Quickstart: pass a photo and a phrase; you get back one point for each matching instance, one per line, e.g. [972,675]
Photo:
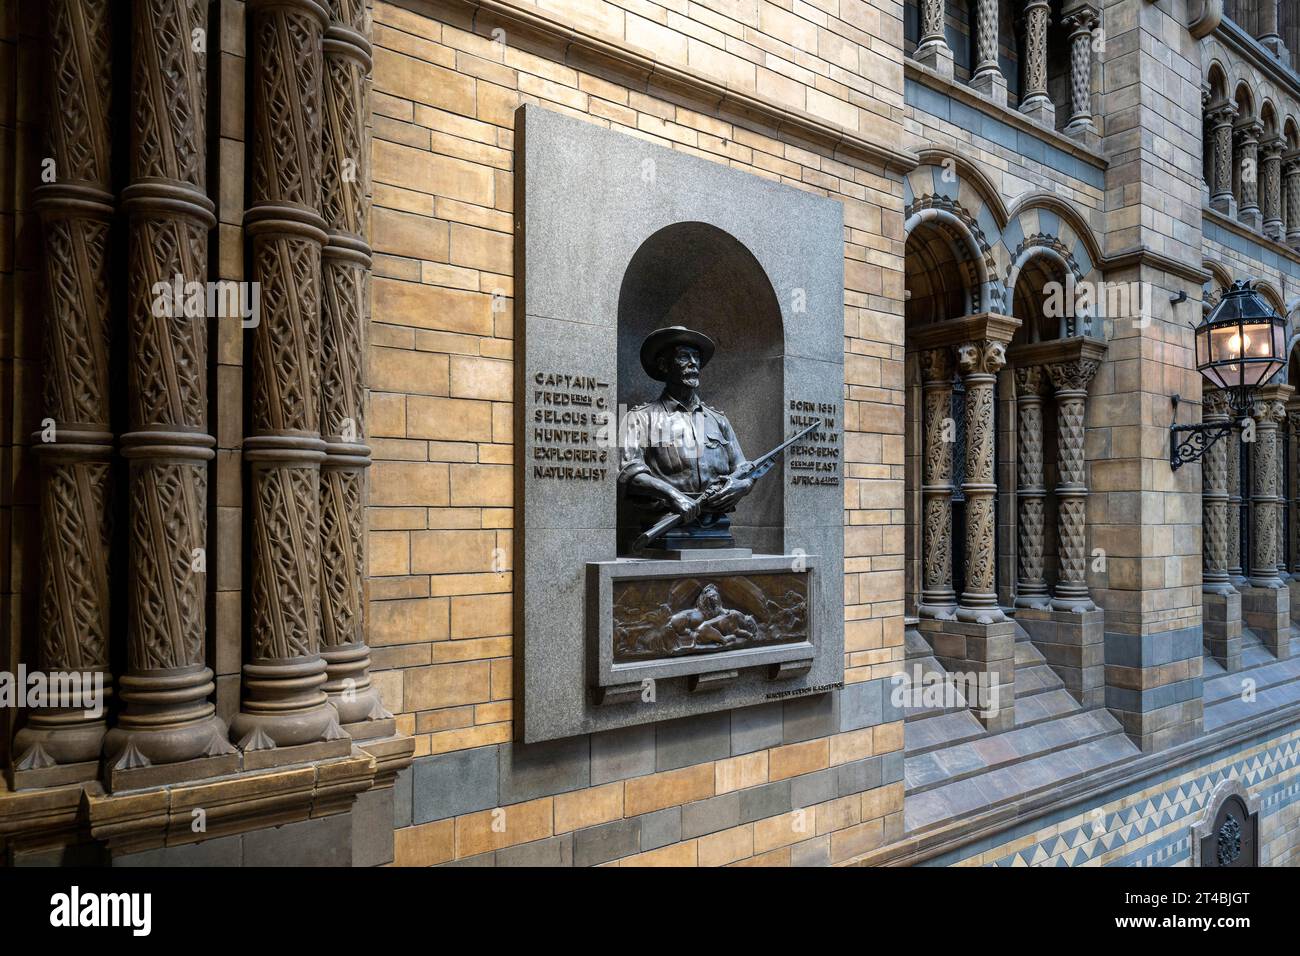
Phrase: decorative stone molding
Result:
[1031,584]
[62,744]
[284,703]
[168,718]
[938,599]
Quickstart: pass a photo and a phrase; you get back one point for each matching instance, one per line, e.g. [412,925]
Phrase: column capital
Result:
[936,364]
[1216,403]
[1273,148]
[1075,359]
[1031,380]
[981,357]
[1083,16]
[1249,130]
[992,326]
[1222,113]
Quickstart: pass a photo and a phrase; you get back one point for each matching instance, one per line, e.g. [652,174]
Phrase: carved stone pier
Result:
[1068,630]
[284,704]
[938,599]
[932,50]
[978,639]
[1035,101]
[1266,602]
[988,78]
[168,718]
[62,744]
[1222,117]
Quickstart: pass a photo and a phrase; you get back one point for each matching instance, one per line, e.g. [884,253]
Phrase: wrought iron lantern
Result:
[1240,345]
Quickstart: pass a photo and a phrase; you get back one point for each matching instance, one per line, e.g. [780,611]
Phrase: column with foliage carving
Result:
[1035,102]
[1248,211]
[284,702]
[1264,501]
[345,295]
[1071,380]
[1222,117]
[938,599]
[168,716]
[932,49]
[1271,175]
[1031,586]
[1082,22]
[979,363]
[75,444]
[1291,197]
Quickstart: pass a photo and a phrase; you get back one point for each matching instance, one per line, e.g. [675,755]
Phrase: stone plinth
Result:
[984,654]
[1267,611]
[1222,620]
[1074,646]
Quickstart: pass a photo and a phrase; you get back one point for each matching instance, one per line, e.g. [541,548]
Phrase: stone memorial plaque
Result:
[678,416]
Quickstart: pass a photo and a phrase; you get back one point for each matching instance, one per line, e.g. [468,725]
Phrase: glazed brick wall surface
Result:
[815,780]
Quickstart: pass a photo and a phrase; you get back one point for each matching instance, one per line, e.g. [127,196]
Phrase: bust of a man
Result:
[676,448]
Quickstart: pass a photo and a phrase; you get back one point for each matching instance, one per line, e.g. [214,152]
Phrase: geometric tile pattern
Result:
[1152,828]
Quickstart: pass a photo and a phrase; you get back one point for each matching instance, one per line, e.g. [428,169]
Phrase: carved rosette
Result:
[1031,586]
[344,297]
[1071,380]
[1217,410]
[979,362]
[1037,17]
[1248,158]
[168,717]
[1222,119]
[75,443]
[284,703]
[1265,501]
[938,599]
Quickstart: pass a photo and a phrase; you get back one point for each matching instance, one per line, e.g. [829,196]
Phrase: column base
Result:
[970,612]
[992,84]
[1275,230]
[285,706]
[1073,603]
[1224,204]
[938,612]
[1074,646]
[1251,216]
[937,56]
[1085,132]
[1221,626]
[1041,111]
[982,655]
[1293,239]
[1275,46]
[1033,601]
[1267,611]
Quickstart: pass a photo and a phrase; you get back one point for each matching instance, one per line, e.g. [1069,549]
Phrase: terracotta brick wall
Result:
[440,424]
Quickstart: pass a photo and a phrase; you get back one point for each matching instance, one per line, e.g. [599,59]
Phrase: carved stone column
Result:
[1082,22]
[1222,198]
[1268,414]
[1267,602]
[1035,102]
[1271,175]
[1217,409]
[988,78]
[938,599]
[1291,202]
[168,716]
[284,703]
[1269,35]
[345,275]
[1236,570]
[1031,586]
[1071,380]
[979,362]
[1248,165]
[1279,511]
[932,50]
[1220,601]
[62,744]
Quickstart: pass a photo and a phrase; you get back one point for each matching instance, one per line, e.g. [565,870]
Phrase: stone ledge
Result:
[133,821]
[918,848]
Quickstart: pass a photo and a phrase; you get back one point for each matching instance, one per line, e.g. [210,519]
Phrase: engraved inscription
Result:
[671,617]
[570,427]
[815,461]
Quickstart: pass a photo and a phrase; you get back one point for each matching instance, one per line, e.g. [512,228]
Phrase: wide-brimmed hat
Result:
[658,341]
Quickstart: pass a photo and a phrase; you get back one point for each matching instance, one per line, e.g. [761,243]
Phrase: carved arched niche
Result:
[697,275]
[1227,834]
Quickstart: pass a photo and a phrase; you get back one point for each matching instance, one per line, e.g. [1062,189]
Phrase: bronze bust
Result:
[678,455]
